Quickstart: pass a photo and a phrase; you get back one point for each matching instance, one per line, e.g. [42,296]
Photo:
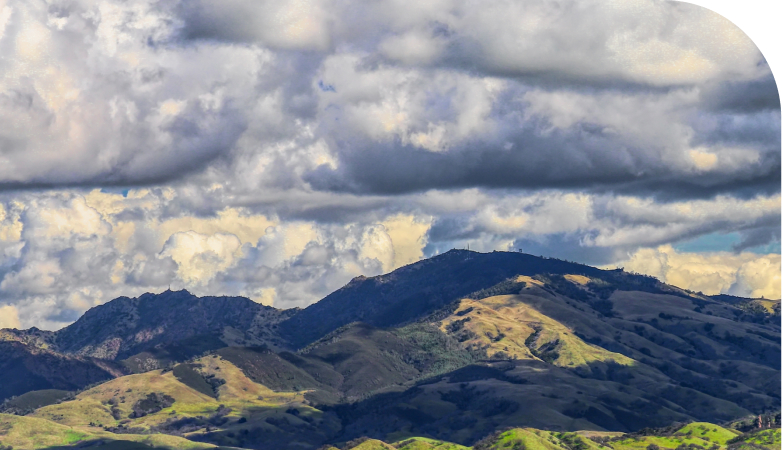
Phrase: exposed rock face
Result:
[126,326]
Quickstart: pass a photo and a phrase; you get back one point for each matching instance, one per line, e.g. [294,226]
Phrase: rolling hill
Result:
[449,350]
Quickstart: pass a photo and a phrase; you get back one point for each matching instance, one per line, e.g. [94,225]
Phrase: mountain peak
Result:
[124,326]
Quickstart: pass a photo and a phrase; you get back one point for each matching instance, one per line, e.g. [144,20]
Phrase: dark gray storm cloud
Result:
[743,97]
[585,157]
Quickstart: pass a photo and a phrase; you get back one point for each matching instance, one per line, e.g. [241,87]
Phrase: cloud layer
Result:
[712,273]
[278,149]
[642,96]
[65,251]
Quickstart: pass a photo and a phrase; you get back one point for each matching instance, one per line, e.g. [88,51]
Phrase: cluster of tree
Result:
[572,441]
[179,426]
[488,442]
[756,422]
[507,287]
[154,402]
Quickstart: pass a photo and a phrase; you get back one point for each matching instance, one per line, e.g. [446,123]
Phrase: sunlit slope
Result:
[572,352]
[509,326]
[694,435]
[532,439]
[420,443]
[32,433]
[770,438]
[709,432]
[209,399]
[95,405]
[372,444]
[578,323]
[700,435]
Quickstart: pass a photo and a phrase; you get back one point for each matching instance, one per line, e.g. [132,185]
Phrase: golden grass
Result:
[503,323]
[578,279]
[32,433]
[239,393]
[22,432]
[768,304]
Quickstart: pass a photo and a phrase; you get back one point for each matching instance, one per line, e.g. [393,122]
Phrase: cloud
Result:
[630,96]
[298,24]
[199,257]
[593,229]
[67,251]
[9,317]
[119,110]
[744,274]
[488,132]
[408,238]
[278,149]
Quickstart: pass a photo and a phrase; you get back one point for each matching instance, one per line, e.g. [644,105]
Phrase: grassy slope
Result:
[91,406]
[250,411]
[769,438]
[34,399]
[505,324]
[420,443]
[373,444]
[354,362]
[714,433]
[645,365]
[700,433]
[697,345]
[238,393]
[24,432]
[30,433]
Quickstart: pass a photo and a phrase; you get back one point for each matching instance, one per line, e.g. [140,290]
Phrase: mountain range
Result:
[451,349]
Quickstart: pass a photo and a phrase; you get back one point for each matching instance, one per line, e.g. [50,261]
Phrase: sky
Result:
[276,150]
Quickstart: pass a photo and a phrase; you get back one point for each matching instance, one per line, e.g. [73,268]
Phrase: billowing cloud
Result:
[386,97]
[65,252]
[9,317]
[743,274]
[278,149]
[199,257]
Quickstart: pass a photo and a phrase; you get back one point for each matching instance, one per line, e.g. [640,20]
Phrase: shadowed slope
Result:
[25,368]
